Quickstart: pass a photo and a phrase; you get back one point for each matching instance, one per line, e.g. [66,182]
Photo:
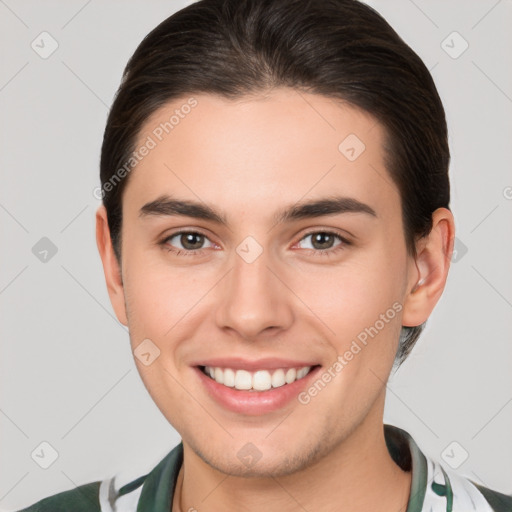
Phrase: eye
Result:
[191,243]
[188,242]
[324,242]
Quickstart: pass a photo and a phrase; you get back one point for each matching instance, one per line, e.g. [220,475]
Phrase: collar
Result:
[406,453]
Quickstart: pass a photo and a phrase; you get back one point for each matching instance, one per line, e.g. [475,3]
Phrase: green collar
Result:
[159,485]
[406,453]
[158,489]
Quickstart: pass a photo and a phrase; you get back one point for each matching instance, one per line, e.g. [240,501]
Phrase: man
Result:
[275,231]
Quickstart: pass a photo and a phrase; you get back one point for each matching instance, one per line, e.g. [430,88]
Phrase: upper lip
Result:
[267,363]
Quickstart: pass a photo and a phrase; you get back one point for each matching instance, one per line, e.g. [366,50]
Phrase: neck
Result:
[357,475]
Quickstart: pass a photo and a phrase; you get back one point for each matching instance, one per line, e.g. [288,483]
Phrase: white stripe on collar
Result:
[466,497]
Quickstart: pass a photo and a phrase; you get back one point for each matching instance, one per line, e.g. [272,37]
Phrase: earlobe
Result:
[431,269]
[111,269]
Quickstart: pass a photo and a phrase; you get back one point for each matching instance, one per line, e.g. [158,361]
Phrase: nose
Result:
[254,299]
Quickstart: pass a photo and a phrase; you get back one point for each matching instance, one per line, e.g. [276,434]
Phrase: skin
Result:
[249,158]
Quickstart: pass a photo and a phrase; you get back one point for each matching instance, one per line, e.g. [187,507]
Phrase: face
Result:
[226,267]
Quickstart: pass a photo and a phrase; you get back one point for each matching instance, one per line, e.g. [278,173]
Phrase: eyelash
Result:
[316,252]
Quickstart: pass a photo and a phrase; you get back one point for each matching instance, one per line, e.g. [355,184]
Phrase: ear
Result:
[111,266]
[427,281]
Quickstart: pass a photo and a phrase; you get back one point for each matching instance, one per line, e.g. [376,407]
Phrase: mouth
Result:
[255,391]
[260,380]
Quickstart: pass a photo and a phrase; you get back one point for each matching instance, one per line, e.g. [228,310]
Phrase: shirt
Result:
[433,487]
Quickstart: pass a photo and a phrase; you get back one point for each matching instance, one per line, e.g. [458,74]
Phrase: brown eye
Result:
[323,240]
[191,241]
[184,241]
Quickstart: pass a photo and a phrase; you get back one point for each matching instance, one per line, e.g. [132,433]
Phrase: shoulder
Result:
[436,487]
[498,501]
[150,491]
[84,498]
[463,494]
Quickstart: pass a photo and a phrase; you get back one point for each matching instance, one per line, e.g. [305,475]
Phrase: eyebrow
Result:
[168,206]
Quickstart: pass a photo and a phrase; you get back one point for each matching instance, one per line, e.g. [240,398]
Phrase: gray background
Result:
[67,374]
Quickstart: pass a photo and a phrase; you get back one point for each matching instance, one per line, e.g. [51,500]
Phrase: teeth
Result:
[291,375]
[243,379]
[260,380]
[302,373]
[229,378]
[218,375]
[278,379]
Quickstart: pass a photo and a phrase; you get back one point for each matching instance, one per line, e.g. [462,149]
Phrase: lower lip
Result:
[254,403]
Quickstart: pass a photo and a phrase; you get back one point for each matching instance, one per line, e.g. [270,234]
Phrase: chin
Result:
[265,459]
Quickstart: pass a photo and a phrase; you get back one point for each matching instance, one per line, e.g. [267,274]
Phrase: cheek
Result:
[359,303]
[350,296]
[165,305]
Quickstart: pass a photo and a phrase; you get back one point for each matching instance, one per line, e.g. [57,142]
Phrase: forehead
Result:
[276,147]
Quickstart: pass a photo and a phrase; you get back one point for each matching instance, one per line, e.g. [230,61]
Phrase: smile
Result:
[260,380]
[254,387]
